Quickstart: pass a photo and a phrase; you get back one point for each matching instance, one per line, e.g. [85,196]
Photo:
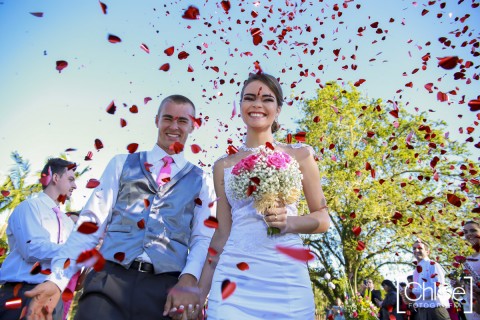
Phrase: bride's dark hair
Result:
[272,83]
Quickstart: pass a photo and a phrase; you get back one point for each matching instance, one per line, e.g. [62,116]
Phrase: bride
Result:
[261,282]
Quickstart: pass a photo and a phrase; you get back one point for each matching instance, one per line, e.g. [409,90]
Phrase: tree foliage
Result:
[389,176]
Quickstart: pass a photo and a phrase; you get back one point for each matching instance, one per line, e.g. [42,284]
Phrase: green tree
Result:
[389,176]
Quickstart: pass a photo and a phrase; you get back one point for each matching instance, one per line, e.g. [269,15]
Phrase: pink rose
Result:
[247,164]
[278,160]
[355,314]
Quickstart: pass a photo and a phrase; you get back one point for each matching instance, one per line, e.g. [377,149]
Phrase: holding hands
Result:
[183,300]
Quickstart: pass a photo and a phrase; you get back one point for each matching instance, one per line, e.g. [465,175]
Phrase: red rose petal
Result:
[103,6]
[67,295]
[5,193]
[360,246]
[46,272]
[176,147]
[474,105]
[144,47]
[448,62]
[454,200]
[61,64]
[243,266]
[255,180]
[225,5]
[132,147]
[165,67]
[89,156]
[146,100]
[211,222]
[17,288]
[198,201]
[98,144]
[195,148]
[46,178]
[66,264]
[228,287]
[301,254]
[146,203]
[231,150]
[192,13]
[87,227]
[251,189]
[37,14]
[212,251]
[92,183]
[111,108]
[169,51]
[300,136]
[123,122]
[182,55]
[61,198]
[133,109]
[36,268]
[419,269]
[356,231]
[119,256]
[113,39]
[141,224]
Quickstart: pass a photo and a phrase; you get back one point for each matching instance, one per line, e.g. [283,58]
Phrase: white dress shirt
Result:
[33,232]
[99,209]
[430,295]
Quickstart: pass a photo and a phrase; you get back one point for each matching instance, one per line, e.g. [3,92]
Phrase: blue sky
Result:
[44,112]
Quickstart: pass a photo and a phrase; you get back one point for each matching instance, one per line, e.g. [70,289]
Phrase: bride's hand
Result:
[277,217]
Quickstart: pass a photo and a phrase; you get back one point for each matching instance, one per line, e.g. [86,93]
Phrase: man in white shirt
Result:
[150,209]
[429,289]
[36,231]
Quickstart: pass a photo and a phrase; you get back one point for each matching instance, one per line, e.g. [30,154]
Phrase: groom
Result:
[150,208]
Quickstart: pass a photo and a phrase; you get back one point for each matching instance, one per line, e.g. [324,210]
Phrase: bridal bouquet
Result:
[267,176]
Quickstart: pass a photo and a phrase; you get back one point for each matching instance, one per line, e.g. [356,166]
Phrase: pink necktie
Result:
[164,173]
[59,220]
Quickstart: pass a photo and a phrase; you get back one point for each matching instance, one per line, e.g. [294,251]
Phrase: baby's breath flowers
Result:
[267,176]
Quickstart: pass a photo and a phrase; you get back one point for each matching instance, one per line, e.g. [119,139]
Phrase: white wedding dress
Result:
[275,286]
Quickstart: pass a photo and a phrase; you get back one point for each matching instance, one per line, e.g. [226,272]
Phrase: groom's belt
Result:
[141,266]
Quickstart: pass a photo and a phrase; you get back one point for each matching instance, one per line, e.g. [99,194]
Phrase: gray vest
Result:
[162,229]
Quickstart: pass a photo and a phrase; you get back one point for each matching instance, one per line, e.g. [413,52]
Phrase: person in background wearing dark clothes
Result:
[389,305]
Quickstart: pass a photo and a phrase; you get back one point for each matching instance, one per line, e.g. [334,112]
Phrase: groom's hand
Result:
[45,297]
[183,300]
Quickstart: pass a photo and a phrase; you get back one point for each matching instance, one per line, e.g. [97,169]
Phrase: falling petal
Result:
[474,105]
[165,67]
[5,193]
[92,183]
[454,200]
[111,108]
[243,266]
[87,227]
[146,100]
[123,122]
[119,256]
[356,231]
[169,51]
[211,222]
[300,254]
[133,109]
[104,7]
[132,147]
[141,224]
[192,13]
[98,144]
[36,268]
[225,5]
[144,47]
[228,287]
[113,39]
[14,303]
[37,14]
[360,246]
[448,63]
[176,147]
[195,148]
[61,64]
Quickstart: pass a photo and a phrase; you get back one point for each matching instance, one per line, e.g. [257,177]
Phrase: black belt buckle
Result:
[142,266]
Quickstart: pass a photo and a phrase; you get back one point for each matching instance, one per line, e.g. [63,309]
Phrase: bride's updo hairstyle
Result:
[273,84]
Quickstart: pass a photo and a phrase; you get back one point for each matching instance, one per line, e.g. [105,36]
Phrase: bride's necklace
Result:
[243,147]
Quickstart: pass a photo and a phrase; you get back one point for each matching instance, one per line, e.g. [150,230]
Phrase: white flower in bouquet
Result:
[327,276]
